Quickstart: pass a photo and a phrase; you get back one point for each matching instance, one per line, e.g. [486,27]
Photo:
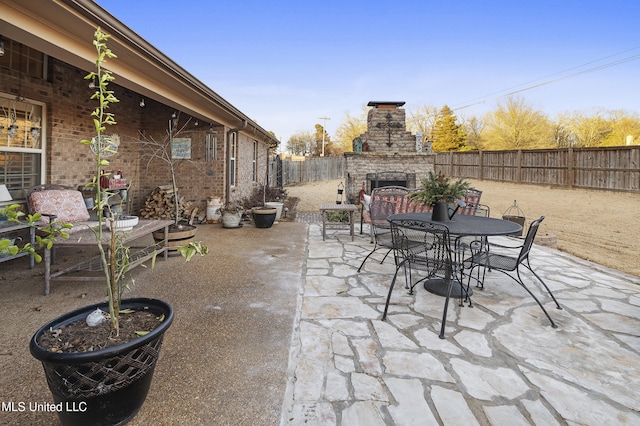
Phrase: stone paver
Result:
[501,362]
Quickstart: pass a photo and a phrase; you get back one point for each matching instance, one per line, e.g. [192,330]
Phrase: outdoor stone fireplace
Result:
[386,154]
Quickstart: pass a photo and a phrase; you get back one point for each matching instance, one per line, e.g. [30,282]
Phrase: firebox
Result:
[390,178]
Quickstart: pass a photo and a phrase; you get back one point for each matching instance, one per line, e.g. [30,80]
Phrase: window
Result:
[22,143]
[232,158]
[255,161]
[23,59]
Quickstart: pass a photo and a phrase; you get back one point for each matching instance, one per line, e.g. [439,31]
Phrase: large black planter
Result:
[107,386]
[263,217]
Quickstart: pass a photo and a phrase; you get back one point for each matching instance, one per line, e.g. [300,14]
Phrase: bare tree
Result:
[515,125]
[300,143]
[625,128]
[350,129]
[423,119]
[473,127]
[589,130]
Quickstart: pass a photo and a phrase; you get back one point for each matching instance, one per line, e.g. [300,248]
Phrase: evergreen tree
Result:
[448,135]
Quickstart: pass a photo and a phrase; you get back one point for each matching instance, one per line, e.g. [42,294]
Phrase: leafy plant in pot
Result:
[231,215]
[100,374]
[438,191]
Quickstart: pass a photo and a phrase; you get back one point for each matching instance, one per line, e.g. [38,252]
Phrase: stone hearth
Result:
[386,154]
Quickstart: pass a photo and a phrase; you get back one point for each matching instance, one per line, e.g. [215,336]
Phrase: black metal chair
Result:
[508,264]
[424,246]
[384,202]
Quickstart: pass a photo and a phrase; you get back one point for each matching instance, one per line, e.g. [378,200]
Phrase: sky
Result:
[286,64]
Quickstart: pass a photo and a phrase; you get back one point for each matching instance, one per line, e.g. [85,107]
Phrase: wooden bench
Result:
[350,208]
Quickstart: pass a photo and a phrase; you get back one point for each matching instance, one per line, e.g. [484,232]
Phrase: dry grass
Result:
[600,226]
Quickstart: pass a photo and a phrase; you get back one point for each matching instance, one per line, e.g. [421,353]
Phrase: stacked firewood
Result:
[160,204]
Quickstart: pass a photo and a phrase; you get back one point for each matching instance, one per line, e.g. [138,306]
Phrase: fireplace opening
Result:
[381,179]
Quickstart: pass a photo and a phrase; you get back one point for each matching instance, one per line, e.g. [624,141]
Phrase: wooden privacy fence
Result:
[283,172]
[610,168]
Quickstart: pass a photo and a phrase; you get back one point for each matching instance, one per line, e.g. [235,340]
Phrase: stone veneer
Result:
[386,146]
[358,165]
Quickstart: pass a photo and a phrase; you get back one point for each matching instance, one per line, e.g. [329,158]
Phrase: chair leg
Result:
[365,259]
[519,280]
[393,283]
[528,266]
[385,256]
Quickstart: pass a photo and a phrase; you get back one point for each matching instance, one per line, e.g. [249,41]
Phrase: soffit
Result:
[64,29]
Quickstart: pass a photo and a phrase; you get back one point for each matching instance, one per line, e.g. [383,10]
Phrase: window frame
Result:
[25,119]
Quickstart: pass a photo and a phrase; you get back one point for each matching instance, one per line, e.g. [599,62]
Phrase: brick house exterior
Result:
[142,73]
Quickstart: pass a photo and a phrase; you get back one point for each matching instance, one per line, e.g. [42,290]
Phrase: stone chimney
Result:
[386,130]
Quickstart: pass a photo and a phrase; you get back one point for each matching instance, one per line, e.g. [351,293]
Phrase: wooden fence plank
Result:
[610,168]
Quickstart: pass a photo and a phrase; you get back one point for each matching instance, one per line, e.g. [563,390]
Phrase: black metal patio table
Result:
[462,226]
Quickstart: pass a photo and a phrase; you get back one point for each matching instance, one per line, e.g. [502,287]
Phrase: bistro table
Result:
[462,226]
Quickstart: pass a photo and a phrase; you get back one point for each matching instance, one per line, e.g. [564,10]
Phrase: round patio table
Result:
[462,226]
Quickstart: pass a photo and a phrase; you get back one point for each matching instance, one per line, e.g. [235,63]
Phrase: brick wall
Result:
[68,121]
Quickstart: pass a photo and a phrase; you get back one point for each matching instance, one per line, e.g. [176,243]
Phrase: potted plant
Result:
[263,215]
[181,231]
[438,191]
[231,215]
[98,366]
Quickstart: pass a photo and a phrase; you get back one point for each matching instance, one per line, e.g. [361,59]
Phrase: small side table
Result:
[324,208]
[8,227]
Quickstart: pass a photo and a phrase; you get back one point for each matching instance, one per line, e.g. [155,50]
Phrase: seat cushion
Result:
[67,204]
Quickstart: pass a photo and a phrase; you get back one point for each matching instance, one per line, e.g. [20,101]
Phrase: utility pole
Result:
[324,122]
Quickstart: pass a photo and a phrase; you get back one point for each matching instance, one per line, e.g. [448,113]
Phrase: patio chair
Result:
[58,203]
[510,264]
[424,246]
[384,202]
[472,201]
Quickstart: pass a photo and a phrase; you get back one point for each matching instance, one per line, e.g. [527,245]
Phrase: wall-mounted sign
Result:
[181,148]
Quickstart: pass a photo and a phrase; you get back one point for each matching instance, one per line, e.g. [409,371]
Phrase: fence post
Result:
[519,166]
[570,177]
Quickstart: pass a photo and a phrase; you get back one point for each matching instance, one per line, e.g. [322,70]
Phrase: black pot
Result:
[264,217]
[107,386]
[440,212]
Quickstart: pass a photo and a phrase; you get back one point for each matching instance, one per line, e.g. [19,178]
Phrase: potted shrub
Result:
[99,360]
[438,191]
[264,216]
[231,215]
[268,205]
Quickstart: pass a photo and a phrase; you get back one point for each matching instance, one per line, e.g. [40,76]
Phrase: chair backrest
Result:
[384,202]
[483,210]
[412,206]
[472,200]
[424,245]
[66,203]
[528,240]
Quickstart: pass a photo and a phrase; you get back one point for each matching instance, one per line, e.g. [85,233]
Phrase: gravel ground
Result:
[224,358]
[600,226]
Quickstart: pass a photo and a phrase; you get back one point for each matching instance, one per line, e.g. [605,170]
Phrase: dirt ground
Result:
[600,226]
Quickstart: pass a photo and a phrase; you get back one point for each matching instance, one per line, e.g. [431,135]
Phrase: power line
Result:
[511,91]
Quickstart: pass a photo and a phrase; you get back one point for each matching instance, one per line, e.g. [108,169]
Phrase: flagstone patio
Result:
[501,362]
